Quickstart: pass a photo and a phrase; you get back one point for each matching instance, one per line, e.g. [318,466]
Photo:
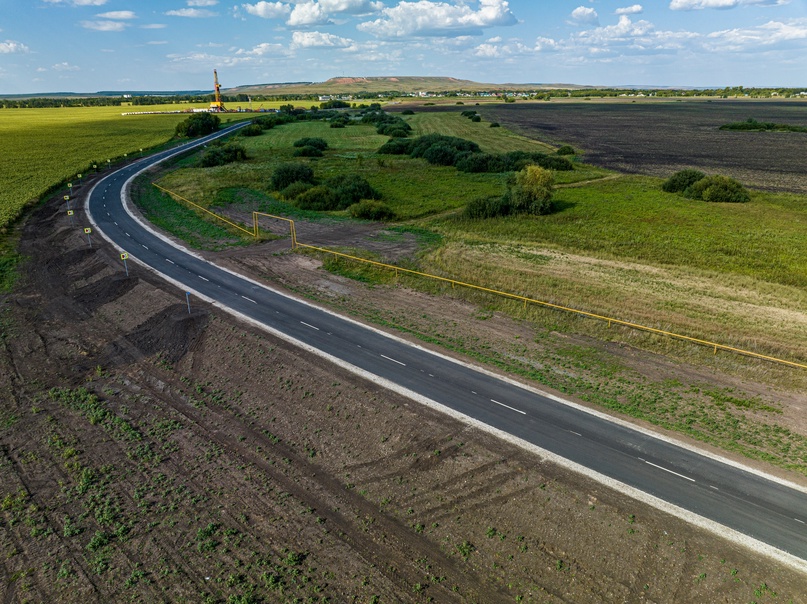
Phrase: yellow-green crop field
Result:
[42,147]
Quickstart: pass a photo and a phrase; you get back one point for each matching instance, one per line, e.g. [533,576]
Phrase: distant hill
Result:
[404,84]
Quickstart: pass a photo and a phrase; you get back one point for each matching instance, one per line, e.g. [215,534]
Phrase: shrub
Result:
[468,113]
[337,124]
[295,189]
[308,151]
[407,112]
[476,118]
[319,198]
[218,155]
[718,189]
[316,143]
[475,163]
[441,154]
[554,162]
[252,130]
[198,124]
[682,180]
[370,209]
[286,174]
[494,125]
[488,207]
[396,147]
[351,188]
[566,150]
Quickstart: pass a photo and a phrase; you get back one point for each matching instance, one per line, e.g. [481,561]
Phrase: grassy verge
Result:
[181,221]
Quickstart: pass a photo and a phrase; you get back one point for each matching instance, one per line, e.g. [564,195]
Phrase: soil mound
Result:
[105,290]
[171,332]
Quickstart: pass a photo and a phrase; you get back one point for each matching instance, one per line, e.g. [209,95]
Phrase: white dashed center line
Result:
[393,360]
[509,407]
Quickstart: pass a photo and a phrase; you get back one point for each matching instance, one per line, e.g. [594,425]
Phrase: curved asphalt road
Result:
[768,511]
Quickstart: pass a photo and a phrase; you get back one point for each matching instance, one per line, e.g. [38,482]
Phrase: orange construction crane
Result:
[217,105]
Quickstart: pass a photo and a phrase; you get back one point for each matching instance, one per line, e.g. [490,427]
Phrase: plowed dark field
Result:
[660,137]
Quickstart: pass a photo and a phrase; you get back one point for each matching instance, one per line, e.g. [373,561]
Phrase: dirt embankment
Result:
[149,454]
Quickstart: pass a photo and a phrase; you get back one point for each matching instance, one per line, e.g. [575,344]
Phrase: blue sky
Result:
[91,45]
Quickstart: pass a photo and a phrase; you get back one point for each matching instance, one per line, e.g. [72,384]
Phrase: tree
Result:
[532,191]
[198,124]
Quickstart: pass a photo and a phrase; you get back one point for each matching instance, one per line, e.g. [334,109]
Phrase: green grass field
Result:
[413,188]
[43,147]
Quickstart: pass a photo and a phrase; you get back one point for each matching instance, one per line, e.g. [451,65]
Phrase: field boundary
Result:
[295,244]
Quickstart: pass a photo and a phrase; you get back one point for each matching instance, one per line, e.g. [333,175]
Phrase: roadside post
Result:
[70,214]
[87,231]
[67,199]
[188,300]
[123,257]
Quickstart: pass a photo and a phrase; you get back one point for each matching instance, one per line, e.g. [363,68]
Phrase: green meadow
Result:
[45,147]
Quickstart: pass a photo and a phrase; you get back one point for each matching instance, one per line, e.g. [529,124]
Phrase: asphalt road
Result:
[765,510]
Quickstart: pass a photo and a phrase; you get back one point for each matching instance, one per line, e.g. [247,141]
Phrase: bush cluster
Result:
[566,150]
[295,182]
[310,147]
[218,154]
[528,192]
[371,209]
[681,180]
[337,193]
[393,126]
[466,156]
[288,174]
[198,124]
[512,162]
[694,184]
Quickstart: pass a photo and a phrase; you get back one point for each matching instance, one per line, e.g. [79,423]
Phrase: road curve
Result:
[767,514]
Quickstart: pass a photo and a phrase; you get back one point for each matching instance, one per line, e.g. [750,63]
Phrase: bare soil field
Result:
[155,455]
[660,137]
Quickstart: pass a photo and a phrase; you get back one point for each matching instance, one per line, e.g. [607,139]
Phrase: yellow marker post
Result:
[87,231]
[70,214]
[123,257]
[67,199]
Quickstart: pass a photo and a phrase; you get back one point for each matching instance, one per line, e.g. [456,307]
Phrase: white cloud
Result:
[268,10]
[317,39]
[721,4]
[79,2]
[154,26]
[353,7]
[428,18]
[307,13]
[104,25]
[11,47]
[117,14]
[265,49]
[192,13]
[629,10]
[203,2]
[769,34]
[65,66]
[584,14]
[157,42]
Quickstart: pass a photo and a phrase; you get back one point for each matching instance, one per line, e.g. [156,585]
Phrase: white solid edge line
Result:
[699,521]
